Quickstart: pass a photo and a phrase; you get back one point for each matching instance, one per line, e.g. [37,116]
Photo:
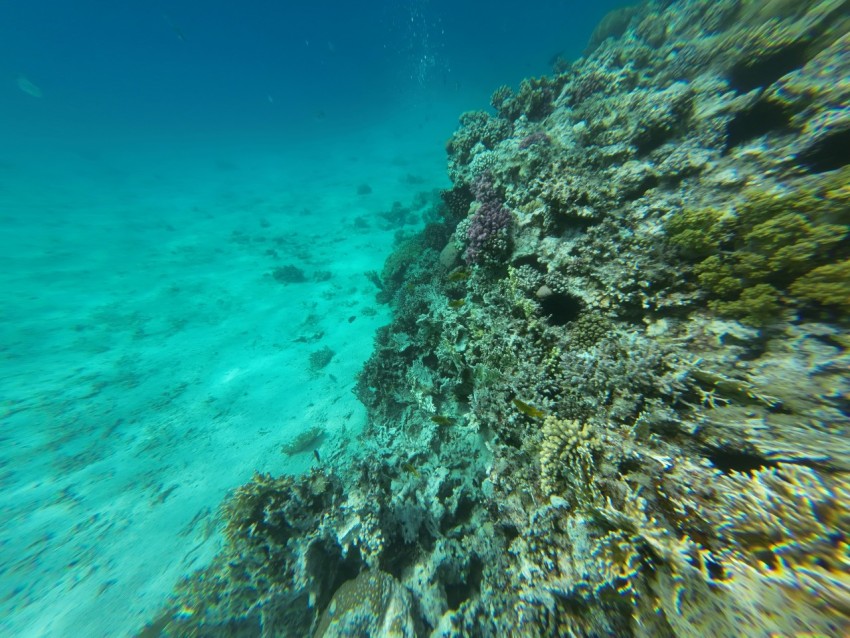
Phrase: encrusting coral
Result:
[629,418]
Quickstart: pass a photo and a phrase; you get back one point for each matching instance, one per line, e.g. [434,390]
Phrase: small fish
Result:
[316,454]
[528,410]
[408,467]
[459,275]
[457,303]
[174,27]
[442,420]
[28,87]
[352,318]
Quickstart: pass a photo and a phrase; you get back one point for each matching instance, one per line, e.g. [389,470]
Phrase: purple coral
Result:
[489,225]
[534,138]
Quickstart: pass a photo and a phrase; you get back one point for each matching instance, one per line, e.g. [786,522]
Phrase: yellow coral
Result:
[773,248]
[565,453]
[828,285]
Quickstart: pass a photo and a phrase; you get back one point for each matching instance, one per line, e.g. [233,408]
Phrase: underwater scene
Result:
[419,318]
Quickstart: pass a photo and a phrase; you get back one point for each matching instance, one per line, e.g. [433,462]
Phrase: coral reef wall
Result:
[613,399]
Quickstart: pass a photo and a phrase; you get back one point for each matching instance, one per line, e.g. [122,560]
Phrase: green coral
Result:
[756,305]
[535,98]
[772,250]
[827,285]
[698,231]
[477,127]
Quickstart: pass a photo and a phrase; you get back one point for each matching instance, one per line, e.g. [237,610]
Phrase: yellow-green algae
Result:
[771,250]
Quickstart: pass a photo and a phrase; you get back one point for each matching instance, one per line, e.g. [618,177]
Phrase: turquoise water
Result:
[158,168]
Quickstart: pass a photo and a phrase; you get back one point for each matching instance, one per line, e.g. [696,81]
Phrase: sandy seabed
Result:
[151,361]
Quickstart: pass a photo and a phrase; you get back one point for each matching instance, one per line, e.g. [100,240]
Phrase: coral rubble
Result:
[628,414]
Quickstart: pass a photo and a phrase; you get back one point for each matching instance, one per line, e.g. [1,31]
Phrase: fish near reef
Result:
[410,469]
[459,275]
[529,410]
[441,420]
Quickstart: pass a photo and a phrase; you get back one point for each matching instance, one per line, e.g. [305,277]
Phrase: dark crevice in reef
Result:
[646,184]
[563,225]
[332,568]
[749,74]
[762,118]
[727,460]
[561,309]
[529,260]
[829,154]
[400,556]
[652,139]
[459,592]
[462,515]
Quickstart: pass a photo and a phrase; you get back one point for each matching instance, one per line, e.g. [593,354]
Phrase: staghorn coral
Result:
[533,100]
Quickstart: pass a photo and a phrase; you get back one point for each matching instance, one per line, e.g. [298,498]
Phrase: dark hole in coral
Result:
[458,593]
[466,386]
[565,224]
[627,466]
[510,532]
[397,557]
[511,437]
[461,515]
[715,570]
[426,539]
[829,154]
[652,138]
[561,309]
[761,119]
[330,569]
[751,73]
[446,490]
[649,182]
[727,460]
[767,557]
[529,260]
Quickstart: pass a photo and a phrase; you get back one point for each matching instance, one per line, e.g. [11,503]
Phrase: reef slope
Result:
[613,399]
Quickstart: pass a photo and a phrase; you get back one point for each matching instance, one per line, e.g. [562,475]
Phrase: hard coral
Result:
[373,604]
[489,228]
[754,260]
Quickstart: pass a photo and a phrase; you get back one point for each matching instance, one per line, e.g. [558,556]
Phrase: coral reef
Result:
[488,232]
[631,419]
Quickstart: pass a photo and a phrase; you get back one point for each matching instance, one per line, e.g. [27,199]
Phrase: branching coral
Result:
[772,250]
[565,454]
